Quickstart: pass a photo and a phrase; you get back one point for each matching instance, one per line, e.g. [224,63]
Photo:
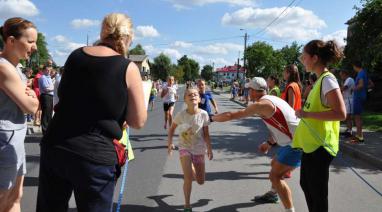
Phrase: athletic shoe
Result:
[268,197]
[356,140]
[187,210]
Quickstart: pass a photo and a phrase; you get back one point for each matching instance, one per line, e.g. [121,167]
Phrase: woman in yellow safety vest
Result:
[318,131]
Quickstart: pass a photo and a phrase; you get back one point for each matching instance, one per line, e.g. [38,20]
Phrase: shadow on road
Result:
[142,149]
[229,175]
[162,206]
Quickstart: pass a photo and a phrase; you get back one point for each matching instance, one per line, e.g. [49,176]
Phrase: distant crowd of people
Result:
[100,93]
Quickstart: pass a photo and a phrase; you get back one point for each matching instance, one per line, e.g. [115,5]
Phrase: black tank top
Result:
[92,107]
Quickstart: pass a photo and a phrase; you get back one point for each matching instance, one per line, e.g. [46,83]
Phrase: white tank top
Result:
[283,122]
[11,115]
[170,96]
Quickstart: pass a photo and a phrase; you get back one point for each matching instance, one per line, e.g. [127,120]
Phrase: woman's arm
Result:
[335,102]
[13,87]
[137,113]
[291,97]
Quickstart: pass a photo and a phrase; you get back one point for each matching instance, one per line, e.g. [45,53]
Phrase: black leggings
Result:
[314,179]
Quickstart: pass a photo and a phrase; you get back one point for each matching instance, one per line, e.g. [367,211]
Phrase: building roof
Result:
[230,69]
[137,58]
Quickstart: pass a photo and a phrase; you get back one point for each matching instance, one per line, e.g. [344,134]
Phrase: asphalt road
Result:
[236,174]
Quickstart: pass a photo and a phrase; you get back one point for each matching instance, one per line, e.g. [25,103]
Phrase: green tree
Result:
[261,59]
[177,72]
[291,53]
[161,67]
[42,49]
[364,41]
[190,68]
[206,72]
[137,50]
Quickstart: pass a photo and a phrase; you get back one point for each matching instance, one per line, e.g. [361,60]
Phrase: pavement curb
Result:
[356,153]
[345,148]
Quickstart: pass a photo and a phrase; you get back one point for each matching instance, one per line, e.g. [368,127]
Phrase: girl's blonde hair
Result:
[114,27]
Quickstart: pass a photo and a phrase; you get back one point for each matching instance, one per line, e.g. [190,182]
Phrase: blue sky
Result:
[205,30]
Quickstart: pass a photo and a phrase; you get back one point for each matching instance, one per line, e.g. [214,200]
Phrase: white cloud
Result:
[338,36]
[181,44]
[172,53]
[296,23]
[84,23]
[182,4]
[63,48]
[17,8]
[146,31]
[218,48]
[207,57]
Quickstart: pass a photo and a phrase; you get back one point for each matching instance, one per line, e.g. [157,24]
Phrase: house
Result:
[142,61]
[229,73]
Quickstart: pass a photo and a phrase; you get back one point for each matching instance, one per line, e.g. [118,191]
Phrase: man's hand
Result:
[264,148]
[210,154]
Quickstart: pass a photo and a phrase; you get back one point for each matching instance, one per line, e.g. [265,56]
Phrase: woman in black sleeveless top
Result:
[99,90]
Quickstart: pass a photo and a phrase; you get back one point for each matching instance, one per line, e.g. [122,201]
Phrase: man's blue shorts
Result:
[289,156]
[357,106]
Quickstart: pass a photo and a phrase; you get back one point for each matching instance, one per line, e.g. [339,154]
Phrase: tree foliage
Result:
[42,49]
[261,59]
[190,68]
[160,68]
[137,50]
[206,72]
[177,72]
[364,41]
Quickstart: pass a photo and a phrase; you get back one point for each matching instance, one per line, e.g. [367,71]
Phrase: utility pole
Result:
[238,67]
[245,47]
[87,39]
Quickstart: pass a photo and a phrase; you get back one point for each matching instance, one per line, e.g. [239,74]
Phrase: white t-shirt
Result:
[329,83]
[348,93]
[190,128]
[170,95]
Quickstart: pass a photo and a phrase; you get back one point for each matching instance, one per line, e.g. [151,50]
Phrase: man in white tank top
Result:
[281,121]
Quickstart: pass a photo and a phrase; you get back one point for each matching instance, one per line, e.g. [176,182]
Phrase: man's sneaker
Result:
[346,134]
[268,197]
[356,140]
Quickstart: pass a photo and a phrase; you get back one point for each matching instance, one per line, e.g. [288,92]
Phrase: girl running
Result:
[169,97]
[194,140]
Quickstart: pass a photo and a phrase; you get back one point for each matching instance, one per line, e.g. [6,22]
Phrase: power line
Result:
[270,23]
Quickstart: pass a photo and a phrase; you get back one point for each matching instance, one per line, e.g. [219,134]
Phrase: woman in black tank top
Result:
[77,152]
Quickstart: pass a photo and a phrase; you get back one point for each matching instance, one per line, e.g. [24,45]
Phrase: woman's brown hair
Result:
[294,76]
[15,27]
[327,52]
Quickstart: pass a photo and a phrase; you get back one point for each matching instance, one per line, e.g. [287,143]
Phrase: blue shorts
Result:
[289,156]
[151,98]
[357,106]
